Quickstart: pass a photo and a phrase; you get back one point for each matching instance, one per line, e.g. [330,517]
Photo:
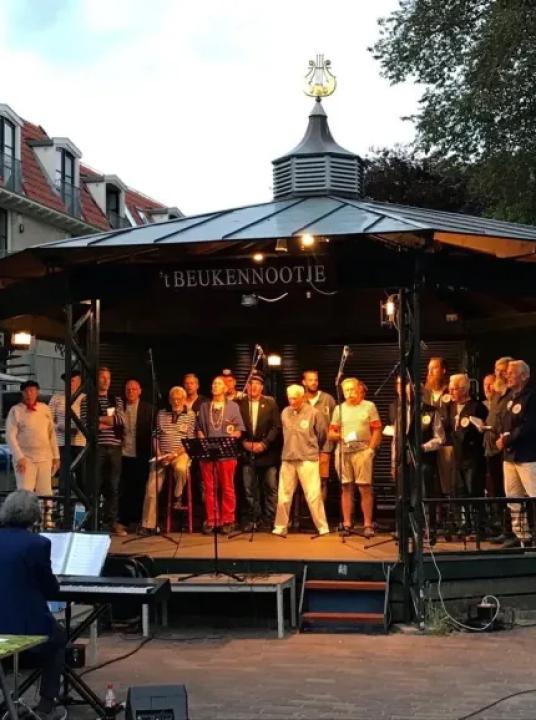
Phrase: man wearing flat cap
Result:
[32,440]
[262,444]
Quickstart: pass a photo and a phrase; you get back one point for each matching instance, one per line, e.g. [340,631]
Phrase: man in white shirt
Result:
[356,424]
[32,440]
[57,410]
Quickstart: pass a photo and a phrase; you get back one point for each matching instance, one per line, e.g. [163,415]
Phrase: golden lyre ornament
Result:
[320,80]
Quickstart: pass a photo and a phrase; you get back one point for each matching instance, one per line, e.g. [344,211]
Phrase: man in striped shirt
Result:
[109,439]
[172,427]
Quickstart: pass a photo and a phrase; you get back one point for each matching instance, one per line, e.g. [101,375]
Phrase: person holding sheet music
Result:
[219,418]
[27,582]
[172,427]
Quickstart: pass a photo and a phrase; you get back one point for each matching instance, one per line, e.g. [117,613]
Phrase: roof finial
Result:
[320,80]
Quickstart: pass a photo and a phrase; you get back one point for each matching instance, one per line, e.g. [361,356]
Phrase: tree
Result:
[402,175]
[477,62]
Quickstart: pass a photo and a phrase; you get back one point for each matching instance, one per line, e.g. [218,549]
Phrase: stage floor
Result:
[264,546]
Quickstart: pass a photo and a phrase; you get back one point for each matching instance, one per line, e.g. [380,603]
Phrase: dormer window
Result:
[66,180]
[9,165]
[113,206]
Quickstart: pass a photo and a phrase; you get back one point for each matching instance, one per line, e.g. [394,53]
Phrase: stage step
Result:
[344,605]
[366,618]
[372,585]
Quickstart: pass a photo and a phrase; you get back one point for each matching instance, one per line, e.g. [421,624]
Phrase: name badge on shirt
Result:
[229,429]
[351,437]
[464,422]
[183,428]
[446,398]
[516,409]
[304,424]
[426,419]
[110,411]
[509,404]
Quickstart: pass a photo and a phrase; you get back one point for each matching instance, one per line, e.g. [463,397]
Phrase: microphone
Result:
[259,350]
[346,351]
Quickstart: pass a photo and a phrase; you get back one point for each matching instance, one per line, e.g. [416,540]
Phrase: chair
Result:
[188,508]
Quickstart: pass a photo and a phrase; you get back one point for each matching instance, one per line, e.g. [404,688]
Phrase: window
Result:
[7,138]
[64,168]
[142,215]
[65,180]
[113,205]
[3,232]
[9,166]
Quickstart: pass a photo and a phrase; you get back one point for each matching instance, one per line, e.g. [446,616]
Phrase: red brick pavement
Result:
[235,675]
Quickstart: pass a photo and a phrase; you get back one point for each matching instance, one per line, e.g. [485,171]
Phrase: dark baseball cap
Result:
[29,384]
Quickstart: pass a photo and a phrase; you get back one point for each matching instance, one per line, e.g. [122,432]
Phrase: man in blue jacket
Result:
[27,583]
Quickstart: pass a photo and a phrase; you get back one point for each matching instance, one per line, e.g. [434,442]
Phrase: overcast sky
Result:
[189,101]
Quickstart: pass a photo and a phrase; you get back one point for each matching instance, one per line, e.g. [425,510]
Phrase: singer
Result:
[219,418]
[357,430]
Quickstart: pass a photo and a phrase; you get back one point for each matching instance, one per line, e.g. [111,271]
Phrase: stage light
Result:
[21,340]
[281,245]
[388,311]
[307,240]
[258,257]
[248,300]
[274,360]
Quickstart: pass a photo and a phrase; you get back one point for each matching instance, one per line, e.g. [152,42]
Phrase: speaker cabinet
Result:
[157,702]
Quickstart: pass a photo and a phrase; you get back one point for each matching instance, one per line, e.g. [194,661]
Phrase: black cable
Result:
[116,659]
[493,704]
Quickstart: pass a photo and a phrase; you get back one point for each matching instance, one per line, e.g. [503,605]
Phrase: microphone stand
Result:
[155,396]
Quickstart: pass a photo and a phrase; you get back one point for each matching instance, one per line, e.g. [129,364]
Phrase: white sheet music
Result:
[78,553]
[87,554]
[60,548]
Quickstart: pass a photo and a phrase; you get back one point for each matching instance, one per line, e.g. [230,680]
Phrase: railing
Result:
[117,221]
[70,195]
[10,173]
[482,524]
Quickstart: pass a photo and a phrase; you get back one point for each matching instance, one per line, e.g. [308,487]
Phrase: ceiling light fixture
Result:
[307,240]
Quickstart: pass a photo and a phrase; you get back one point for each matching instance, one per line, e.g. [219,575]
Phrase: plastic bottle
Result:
[110,699]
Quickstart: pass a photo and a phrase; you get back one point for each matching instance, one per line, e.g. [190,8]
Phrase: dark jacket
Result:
[519,419]
[467,440]
[144,421]
[26,583]
[267,431]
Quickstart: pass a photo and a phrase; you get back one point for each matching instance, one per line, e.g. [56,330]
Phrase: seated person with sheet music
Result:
[219,418]
[172,427]
[27,582]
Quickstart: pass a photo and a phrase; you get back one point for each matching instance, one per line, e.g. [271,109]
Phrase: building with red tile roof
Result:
[47,193]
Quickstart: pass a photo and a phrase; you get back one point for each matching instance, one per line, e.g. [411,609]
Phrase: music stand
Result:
[213,449]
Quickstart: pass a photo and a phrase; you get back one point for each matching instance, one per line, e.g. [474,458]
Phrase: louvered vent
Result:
[318,165]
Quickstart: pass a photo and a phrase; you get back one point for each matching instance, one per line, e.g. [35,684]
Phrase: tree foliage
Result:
[476,60]
[402,175]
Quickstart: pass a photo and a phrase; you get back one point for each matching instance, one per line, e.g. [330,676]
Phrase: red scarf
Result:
[32,407]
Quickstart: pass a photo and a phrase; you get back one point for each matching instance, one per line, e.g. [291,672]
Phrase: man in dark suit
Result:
[27,582]
[136,451]
[261,442]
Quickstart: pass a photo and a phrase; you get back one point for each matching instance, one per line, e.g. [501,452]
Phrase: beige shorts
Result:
[357,467]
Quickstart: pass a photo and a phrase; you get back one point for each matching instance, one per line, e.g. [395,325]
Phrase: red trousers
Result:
[221,512]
